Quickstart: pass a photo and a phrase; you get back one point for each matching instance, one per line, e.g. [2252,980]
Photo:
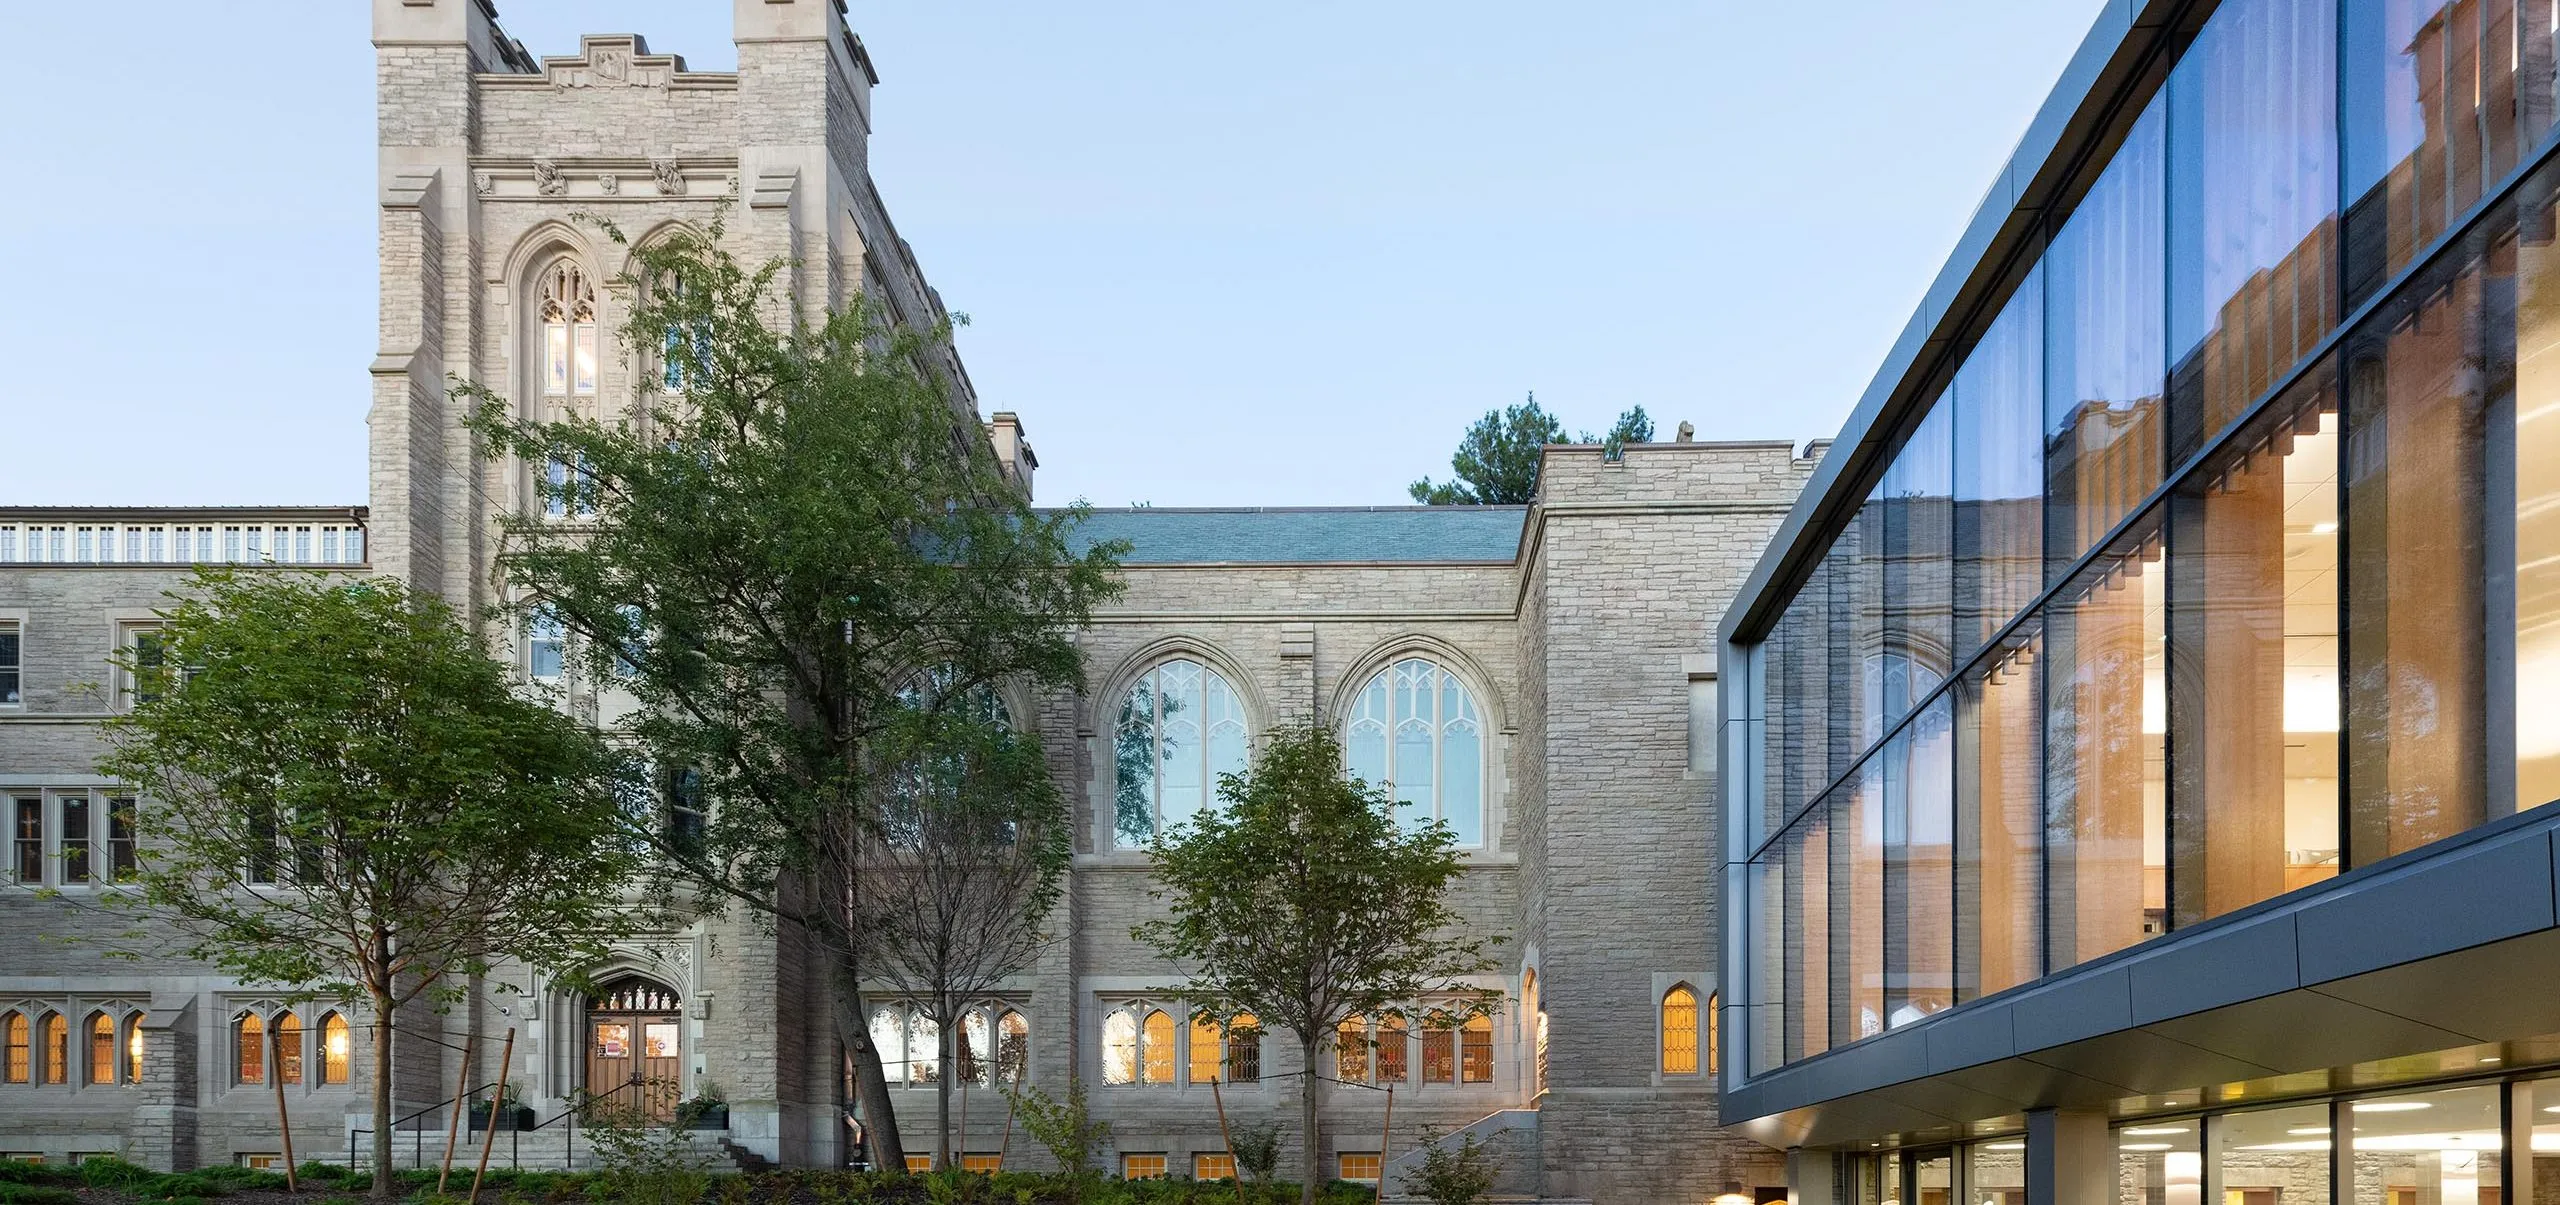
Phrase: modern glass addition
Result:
[2177,596]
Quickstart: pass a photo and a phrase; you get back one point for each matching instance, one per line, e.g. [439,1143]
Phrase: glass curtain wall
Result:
[2176,598]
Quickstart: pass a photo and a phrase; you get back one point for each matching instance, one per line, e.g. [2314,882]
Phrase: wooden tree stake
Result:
[284,1122]
[1235,1172]
[461,1103]
[1386,1134]
[491,1138]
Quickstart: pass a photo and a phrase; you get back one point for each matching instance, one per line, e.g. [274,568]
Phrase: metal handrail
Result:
[417,1154]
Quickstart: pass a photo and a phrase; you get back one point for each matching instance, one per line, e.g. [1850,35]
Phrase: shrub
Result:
[1462,1174]
[22,1193]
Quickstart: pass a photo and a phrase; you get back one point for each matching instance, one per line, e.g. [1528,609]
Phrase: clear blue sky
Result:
[1215,254]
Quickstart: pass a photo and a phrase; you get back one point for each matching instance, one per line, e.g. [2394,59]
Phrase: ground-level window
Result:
[990,1162]
[919,1164]
[1142,1167]
[21,1052]
[1213,1165]
[250,1034]
[102,1049]
[1358,1166]
[57,1049]
[335,1044]
[1680,1031]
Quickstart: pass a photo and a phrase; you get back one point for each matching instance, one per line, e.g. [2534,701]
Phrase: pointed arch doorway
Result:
[635,1049]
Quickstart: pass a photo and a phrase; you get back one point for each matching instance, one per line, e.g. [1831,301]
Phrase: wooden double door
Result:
[634,1063]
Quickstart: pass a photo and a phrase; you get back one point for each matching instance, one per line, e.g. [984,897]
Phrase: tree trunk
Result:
[1309,1144]
[942,1157]
[870,1084]
[382,1188]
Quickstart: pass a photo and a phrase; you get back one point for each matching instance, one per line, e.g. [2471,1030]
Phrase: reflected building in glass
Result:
[2148,711]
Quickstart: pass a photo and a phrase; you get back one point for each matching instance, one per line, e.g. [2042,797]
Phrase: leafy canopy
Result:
[348,749]
[1497,459]
[793,522]
[1305,901]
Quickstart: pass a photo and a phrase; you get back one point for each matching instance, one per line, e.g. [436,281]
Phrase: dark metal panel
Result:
[1885,1059]
[2486,993]
[2306,1029]
[2230,963]
[2494,890]
[2147,1062]
[1969,1036]
[2079,1007]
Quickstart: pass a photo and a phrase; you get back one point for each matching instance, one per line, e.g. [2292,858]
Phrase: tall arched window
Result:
[1244,1050]
[57,1049]
[1680,1031]
[1181,725]
[102,1049]
[568,366]
[1158,1068]
[1475,1050]
[21,1054]
[249,1038]
[289,1049]
[1207,1043]
[1416,729]
[1120,1047]
[334,1049]
[1013,1047]
[133,1049]
[568,332]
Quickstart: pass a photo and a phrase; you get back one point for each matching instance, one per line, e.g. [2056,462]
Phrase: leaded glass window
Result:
[1181,726]
[1416,730]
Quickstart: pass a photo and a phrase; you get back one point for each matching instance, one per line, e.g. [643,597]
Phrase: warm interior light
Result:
[2157,1130]
[2308,1131]
[2004,1146]
[2324,527]
[2392,1106]
[2145,1146]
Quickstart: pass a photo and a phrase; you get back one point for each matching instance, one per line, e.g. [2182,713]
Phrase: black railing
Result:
[418,1135]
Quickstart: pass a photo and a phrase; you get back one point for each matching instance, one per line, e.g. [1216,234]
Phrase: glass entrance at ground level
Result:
[635,1050]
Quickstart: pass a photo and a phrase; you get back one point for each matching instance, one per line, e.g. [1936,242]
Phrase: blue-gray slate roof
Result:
[1312,534]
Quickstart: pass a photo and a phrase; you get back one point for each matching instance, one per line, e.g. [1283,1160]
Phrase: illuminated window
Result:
[57,1049]
[1159,1049]
[1715,1041]
[1358,1166]
[1415,730]
[102,1049]
[1207,1039]
[1680,1031]
[288,1049]
[133,1049]
[1213,1165]
[1244,1050]
[21,1054]
[918,1164]
[1392,1051]
[1120,1047]
[1439,1055]
[1351,1052]
[333,1049]
[250,1035]
[1475,1050]
[1142,1167]
[1180,726]
[568,332]
[989,1162]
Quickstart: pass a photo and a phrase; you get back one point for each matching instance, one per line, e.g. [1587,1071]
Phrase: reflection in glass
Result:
[2423,378]
[2106,718]
[2254,661]
[1180,726]
[1919,823]
[2535,691]
[2103,369]
[1996,1172]
[1914,512]
[2253,277]
[2274,1156]
[2438,101]
[1857,911]
[2430,1146]
[1998,401]
[1998,830]
[1415,730]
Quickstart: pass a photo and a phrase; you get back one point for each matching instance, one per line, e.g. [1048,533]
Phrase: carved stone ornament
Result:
[484,183]
[610,183]
[612,62]
[670,177]
[546,178]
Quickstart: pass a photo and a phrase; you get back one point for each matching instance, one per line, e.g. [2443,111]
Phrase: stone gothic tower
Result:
[497,172]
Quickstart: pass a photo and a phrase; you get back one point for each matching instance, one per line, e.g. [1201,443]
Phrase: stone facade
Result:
[1580,632]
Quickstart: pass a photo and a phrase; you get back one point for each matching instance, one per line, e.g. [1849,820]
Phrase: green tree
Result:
[1497,459]
[795,520]
[1300,899]
[964,867]
[344,795]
